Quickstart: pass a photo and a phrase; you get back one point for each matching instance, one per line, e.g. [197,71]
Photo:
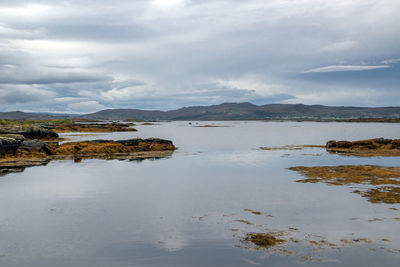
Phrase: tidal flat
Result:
[218,200]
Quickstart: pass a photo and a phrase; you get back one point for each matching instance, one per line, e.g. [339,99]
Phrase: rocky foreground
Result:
[367,148]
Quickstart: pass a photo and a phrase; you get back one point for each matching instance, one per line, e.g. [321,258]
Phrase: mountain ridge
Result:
[249,111]
[230,111]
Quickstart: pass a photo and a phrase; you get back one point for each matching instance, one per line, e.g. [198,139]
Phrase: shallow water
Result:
[180,211]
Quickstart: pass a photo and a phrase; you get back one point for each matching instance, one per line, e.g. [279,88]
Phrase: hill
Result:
[249,111]
[19,115]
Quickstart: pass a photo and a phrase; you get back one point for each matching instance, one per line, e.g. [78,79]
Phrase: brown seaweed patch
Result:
[353,241]
[350,174]
[244,221]
[375,220]
[385,194]
[263,240]
[358,174]
[254,212]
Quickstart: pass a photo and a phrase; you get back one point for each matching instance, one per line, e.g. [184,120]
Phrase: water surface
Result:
[180,210]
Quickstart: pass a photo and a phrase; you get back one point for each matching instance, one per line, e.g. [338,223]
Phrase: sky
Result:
[82,56]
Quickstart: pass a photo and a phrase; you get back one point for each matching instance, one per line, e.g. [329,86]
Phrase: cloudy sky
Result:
[86,55]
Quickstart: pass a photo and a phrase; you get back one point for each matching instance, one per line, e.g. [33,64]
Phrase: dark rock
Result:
[383,141]
[33,146]
[9,143]
[343,144]
[31,132]
[36,132]
[331,143]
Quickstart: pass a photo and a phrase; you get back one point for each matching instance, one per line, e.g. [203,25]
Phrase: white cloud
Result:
[167,3]
[391,61]
[335,68]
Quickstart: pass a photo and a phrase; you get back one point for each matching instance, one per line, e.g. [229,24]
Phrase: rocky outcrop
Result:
[29,131]
[9,143]
[101,147]
[369,147]
[18,151]
[92,127]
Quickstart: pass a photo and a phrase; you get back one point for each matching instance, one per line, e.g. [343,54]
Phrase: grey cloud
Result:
[11,95]
[99,32]
[157,57]
[47,76]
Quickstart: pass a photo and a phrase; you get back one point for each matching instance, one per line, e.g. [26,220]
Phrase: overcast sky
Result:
[86,55]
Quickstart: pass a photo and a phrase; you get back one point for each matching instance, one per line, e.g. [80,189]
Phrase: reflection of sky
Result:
[177,205]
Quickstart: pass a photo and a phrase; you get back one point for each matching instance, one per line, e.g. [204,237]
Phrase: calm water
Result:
[180,211]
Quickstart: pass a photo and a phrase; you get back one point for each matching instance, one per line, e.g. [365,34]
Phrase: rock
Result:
[9,143]
[331,143]
[369,147]
[343,144]
[383,141]
[33,146]
[36,132]
[31,132]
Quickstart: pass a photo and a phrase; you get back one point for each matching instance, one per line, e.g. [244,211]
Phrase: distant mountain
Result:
[226,111]
[248,111]
[19,115]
